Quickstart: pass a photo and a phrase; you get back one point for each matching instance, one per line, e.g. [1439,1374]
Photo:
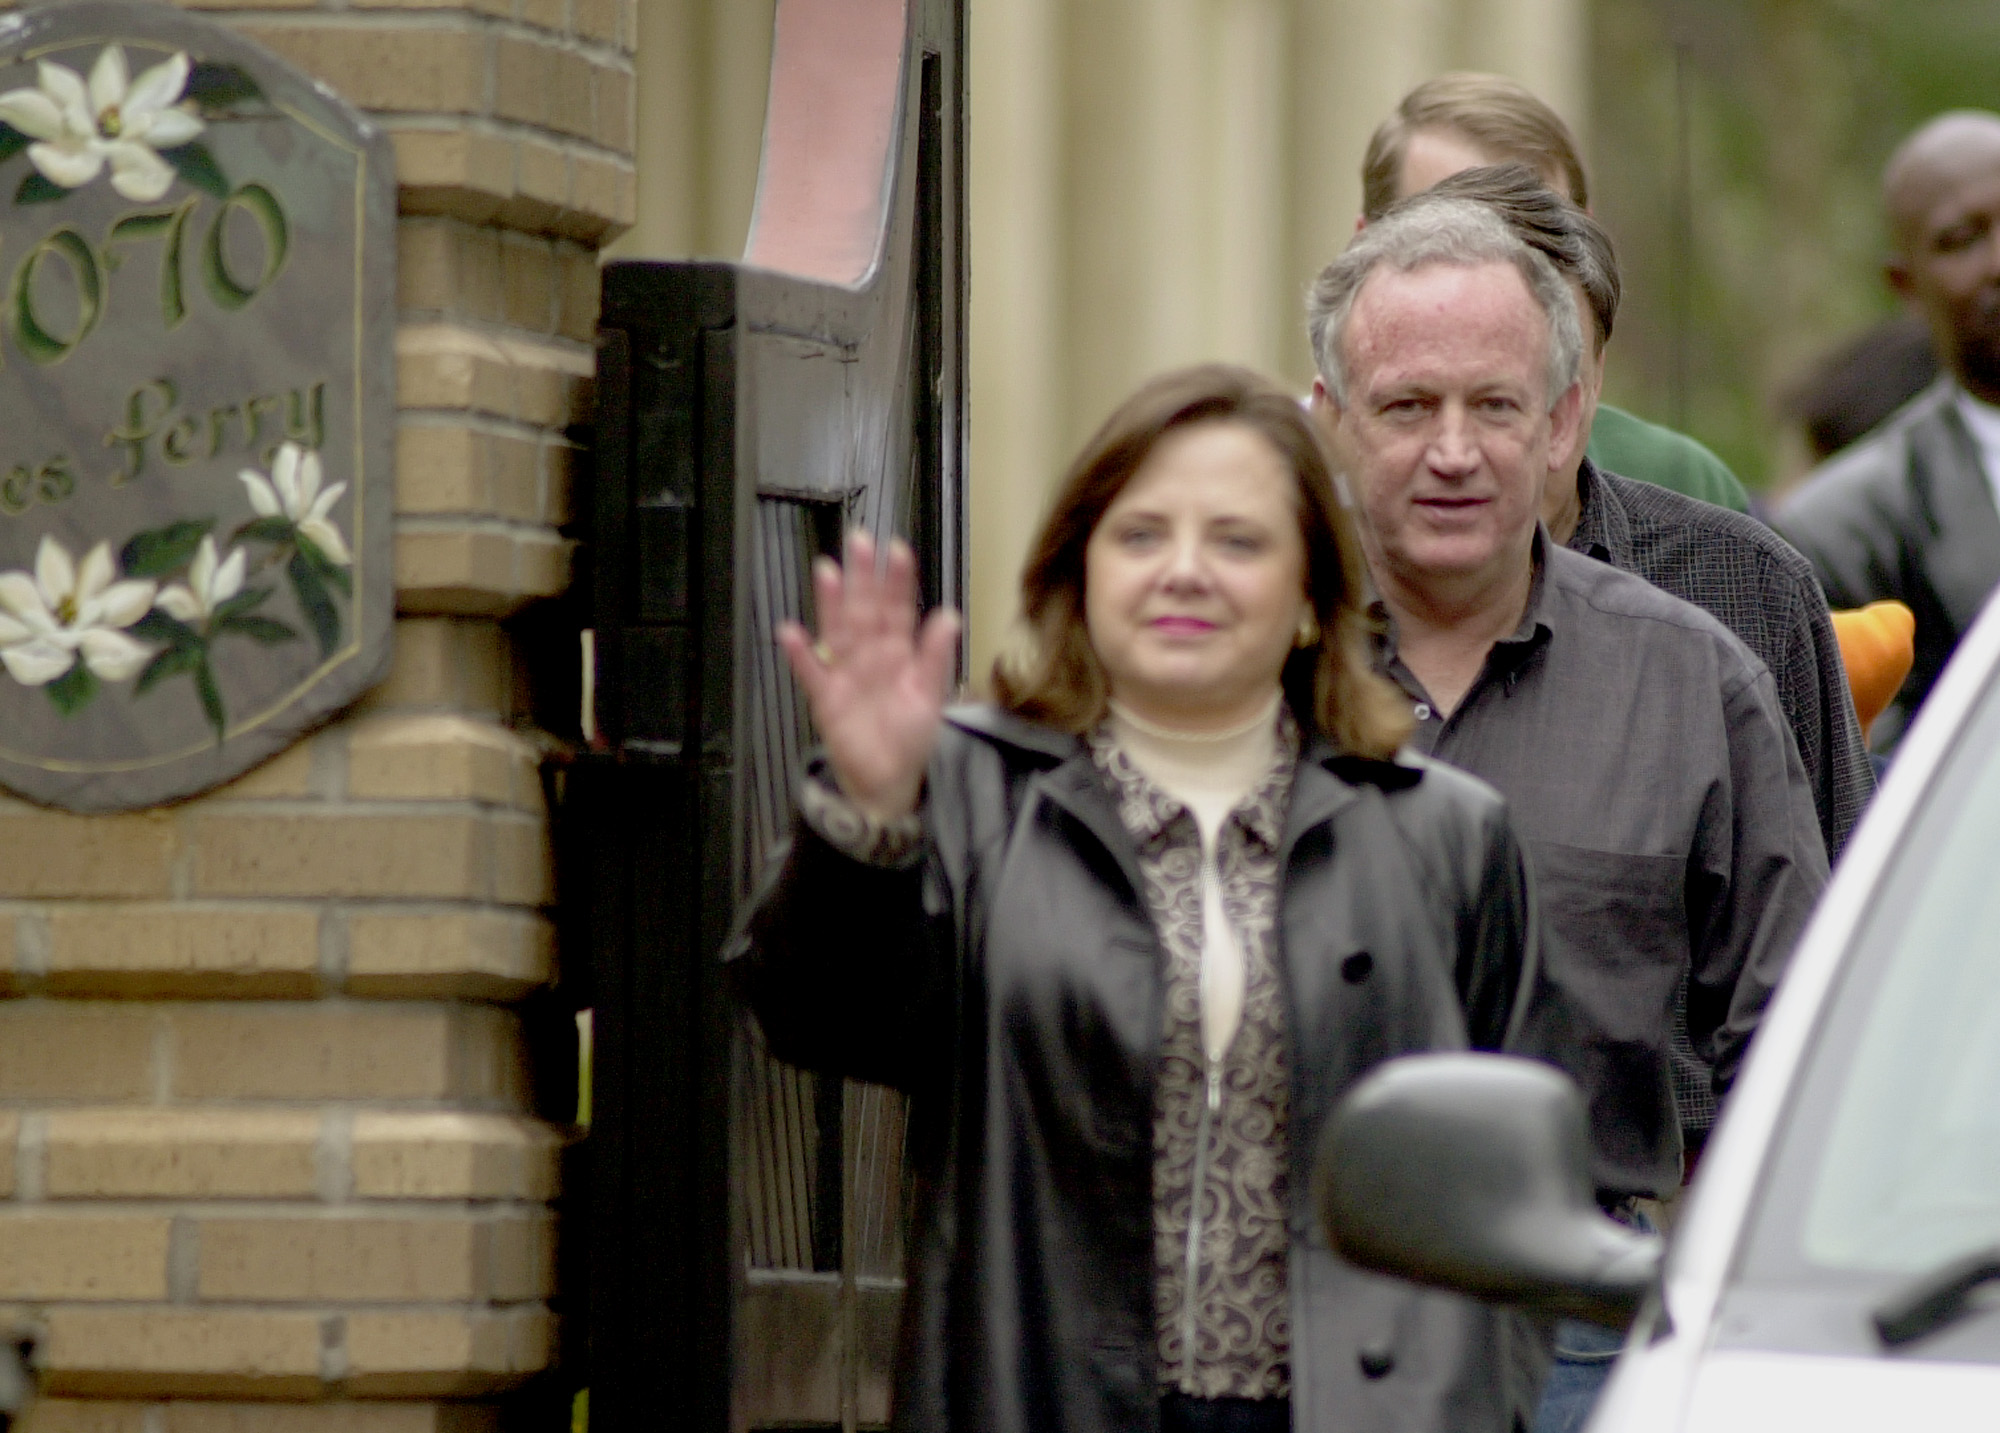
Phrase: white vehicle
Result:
[1837,1265]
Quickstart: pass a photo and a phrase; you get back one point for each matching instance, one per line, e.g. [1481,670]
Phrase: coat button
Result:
[1377,1361]
[1356,967]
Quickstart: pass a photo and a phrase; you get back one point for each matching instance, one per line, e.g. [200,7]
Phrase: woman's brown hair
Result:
[1055,676]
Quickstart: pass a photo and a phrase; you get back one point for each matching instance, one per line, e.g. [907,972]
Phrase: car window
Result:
[1888,1162]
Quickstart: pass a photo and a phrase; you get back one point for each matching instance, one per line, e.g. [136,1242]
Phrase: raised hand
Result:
[875,681]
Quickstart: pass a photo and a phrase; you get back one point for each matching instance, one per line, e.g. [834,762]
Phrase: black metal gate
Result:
[743,1223]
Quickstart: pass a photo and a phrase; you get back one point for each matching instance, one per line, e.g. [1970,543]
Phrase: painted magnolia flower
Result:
[63,613]
[209,585]
[114,119]
[293,493]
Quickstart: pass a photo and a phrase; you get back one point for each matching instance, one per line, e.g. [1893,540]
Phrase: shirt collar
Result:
[1147,811]
[1604,527]
[1537,618]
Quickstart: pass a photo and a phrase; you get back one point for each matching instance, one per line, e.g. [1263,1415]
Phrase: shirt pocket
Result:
[1614,934]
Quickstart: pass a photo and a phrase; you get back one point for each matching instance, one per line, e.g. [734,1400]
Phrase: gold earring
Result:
[1308,630]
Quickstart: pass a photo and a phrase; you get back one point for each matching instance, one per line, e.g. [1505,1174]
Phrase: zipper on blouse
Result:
[1204,1130]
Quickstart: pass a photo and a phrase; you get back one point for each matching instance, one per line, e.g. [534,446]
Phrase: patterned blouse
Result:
[1229,1336]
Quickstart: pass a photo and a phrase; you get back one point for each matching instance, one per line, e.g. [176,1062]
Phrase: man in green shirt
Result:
[1463,121]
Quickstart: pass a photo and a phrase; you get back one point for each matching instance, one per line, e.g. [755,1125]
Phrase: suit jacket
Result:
[1906,513]
[1008,977]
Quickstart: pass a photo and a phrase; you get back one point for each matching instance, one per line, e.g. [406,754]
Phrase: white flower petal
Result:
[201,572]
[323,504]
[285,476]
[157,87]
[263,497]
[177,601]
[309,479]
[113,655]
[37,663]
[96,573]
[109,79]
[124,603]
[166,129]
[55,574]
[70,165]
[228,579]
[13,630]
[138,173]
[326,537]
[65,86]
[20,596]
[31,112]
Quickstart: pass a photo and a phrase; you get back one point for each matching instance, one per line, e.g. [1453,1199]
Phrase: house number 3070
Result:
[231,285]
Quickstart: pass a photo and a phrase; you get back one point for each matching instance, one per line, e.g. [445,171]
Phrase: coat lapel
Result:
[1076,788]
[1964,561]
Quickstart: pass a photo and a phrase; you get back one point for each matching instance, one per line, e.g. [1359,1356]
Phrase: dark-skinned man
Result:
[1910,512]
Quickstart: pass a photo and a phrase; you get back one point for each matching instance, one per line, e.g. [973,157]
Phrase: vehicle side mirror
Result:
[1472,1173]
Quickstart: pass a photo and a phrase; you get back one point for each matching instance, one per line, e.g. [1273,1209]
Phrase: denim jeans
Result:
[1182,1414]
[1584,1355]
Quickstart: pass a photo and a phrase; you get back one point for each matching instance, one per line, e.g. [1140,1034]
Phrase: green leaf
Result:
[330,572]
[244,601]
[73,690]
[157,626]
[12,142]
[164,549]
[171,662]
[314,601]
[211,698]
[215,86]
[197,166]
[263,529]
[267,630]
[38,188]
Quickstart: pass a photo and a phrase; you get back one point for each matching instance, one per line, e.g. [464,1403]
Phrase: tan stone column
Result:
[269,1157]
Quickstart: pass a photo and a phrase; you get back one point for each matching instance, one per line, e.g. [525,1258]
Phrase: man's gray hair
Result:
[1425,231]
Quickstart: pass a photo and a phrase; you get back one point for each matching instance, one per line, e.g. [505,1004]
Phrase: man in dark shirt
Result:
[1645,759]
[1640,746]
[1731,566]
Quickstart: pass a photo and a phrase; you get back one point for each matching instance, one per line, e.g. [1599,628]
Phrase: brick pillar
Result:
[272,1162]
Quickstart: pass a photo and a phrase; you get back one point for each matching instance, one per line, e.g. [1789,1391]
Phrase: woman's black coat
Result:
[1009,979]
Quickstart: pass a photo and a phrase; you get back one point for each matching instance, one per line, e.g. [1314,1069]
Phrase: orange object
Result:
[1877,645]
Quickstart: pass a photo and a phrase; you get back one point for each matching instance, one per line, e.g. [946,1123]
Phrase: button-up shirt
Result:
[1232,1295]
[1669,825]
[1761,588]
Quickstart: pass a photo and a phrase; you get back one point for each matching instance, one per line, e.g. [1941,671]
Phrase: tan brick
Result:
[604,199]
[153,1153]
[247,4]
[577,285]
[77,1256]
[11,974]
[552,381]
[449,266]
[50,853]
[455,172]
[560,460]
[480,955]
[341,1259]
[438,70]
[406,1354]
[498,8]
[440,469]
[527,280]
[460,570]
[346,1052]
[10,1137]
[437,758]
[68,1050]
[547,14]
[614,109]
[286,776]
[518,1257]
[570,95]
[183,1416]
[453,1155]
[597,20]
[180,1352]
[523,72]
[443,366]
[463,856]
[514,477]
[64,1415]
[522,874]
[453,662]
[541,563]
[543,173]
[154,951]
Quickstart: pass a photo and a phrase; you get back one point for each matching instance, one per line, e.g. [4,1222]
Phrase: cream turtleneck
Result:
[1210,773]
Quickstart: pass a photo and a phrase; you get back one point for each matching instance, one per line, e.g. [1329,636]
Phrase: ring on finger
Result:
[825,654]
